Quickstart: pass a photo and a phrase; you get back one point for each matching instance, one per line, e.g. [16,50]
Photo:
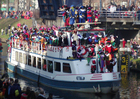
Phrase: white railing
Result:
[118,14]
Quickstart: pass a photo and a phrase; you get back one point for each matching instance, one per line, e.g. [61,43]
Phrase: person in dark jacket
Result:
[41,94]
[11,81]
[15,90]
[138,12]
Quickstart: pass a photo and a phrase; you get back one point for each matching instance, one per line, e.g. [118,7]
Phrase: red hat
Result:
[109,42]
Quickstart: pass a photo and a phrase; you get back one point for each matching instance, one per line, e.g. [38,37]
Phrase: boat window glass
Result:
[66,68]
[34,61]
[16,56]
[39,63]
[57,66]
[24,58]
[44,65]
[50,66]
[20,57]
[29,60]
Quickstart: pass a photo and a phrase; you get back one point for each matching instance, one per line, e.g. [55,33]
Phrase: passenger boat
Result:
[56,67]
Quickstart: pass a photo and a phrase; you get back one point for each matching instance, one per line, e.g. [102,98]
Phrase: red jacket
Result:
[124,42]
[89,13]
[23,96]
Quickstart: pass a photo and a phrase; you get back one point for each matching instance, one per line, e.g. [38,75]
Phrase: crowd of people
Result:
[17,14]
[10,89]
[135,47]
[74,14]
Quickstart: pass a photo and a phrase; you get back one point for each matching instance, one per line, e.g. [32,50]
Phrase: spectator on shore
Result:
[50,96]
[41,94]
[6,31]
[11,81]
[31,95]
[124,8]
[2,31]
[15,90]
[132,8]
[26,93]
[135,56]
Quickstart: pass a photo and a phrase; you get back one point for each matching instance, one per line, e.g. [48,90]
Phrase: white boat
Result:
[56,67]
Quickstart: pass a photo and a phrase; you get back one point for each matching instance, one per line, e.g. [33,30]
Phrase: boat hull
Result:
[89,86]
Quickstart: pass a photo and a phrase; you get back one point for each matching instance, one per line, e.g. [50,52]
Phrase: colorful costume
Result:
[89,15]
[101,61]
[72,15]
[82,13]
[108,59]
[74,53]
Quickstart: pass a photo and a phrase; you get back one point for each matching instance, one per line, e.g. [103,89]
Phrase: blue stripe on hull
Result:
[77,85]
[27,74]
[10,67]
[64,84]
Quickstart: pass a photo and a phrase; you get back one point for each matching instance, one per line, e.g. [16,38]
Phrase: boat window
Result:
[34,61]
[50,66]
[24,58]
[57,66]
[29,60]
[66,68]
[39,63]
[44,65]
[16,56]
[20,57]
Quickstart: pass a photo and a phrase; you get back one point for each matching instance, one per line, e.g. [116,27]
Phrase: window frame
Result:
[67,66]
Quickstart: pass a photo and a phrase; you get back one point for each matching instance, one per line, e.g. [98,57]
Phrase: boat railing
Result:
[38,47]
[35,47]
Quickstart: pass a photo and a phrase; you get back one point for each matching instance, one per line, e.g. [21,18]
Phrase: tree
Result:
[16,5]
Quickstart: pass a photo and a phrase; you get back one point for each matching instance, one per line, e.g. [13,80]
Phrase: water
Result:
[129,89]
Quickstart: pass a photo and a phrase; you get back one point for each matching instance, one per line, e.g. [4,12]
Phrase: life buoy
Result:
[82,47]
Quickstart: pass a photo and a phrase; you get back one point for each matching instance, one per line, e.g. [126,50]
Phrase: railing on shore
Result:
[107,14]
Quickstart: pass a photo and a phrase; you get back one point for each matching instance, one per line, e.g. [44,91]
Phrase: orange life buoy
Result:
[82,47]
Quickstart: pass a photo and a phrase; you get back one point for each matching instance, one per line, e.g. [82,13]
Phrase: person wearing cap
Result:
[107,59]
[72,15]
[75,37]
[76,15]
[110,48]
[41,94]
[89,15]
[82,16]
[91,38]
[101,60]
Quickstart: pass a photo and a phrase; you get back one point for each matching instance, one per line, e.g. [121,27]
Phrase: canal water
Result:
[129,88]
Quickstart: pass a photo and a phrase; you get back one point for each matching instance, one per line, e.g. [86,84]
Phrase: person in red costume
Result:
[109,48]
[89,15]
[124,42]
